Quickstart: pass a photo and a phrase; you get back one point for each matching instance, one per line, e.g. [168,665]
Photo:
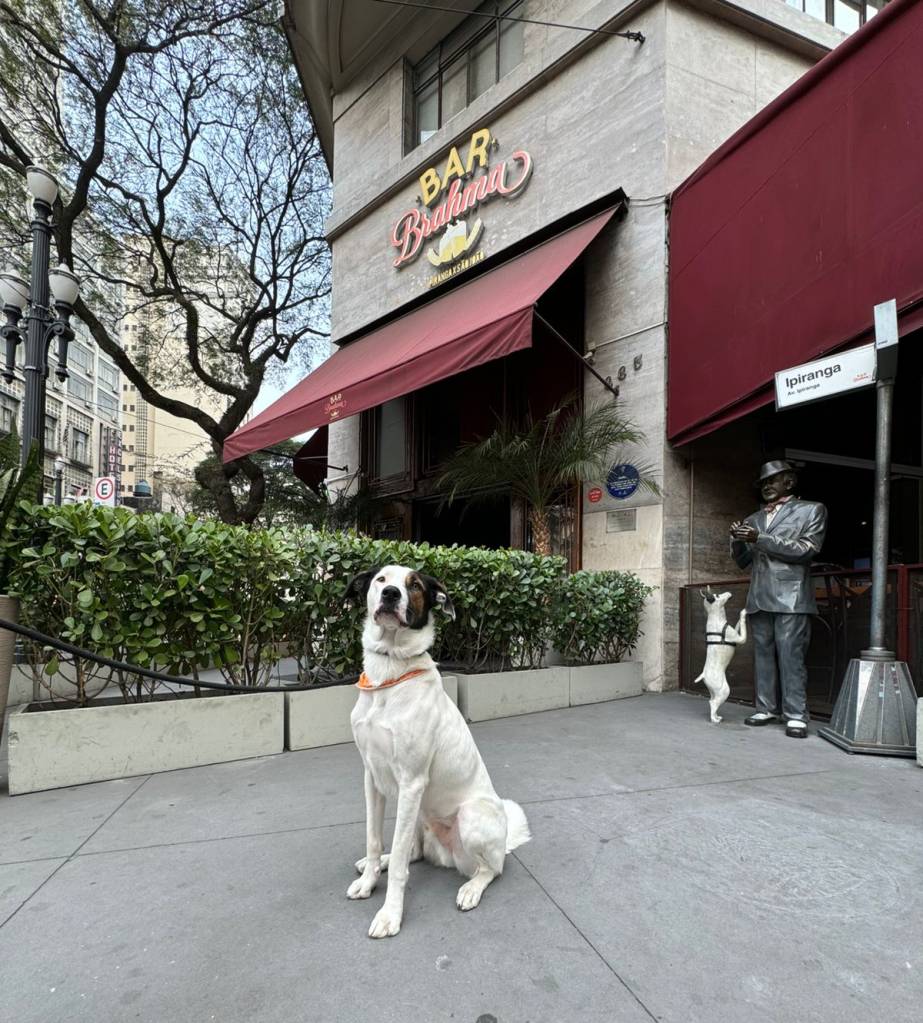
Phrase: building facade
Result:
[461,146]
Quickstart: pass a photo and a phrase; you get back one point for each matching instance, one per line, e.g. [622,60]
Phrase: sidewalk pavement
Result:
[679,871]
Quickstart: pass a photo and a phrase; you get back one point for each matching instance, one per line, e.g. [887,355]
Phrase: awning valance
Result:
[485,319]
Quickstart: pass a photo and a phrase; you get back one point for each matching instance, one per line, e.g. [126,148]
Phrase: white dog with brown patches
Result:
[417,749]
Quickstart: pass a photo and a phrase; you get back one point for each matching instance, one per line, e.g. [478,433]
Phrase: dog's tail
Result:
[517,827]
[699,679]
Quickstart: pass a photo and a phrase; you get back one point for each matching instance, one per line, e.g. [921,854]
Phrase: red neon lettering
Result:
[407,236]
[526,162]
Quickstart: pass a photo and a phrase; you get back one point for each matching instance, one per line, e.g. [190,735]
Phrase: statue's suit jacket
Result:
[780,558]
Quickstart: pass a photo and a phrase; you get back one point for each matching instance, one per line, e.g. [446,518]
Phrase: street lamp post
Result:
[42,326]
[59,464]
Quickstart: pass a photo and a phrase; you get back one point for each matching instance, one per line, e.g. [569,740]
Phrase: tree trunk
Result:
[541,531]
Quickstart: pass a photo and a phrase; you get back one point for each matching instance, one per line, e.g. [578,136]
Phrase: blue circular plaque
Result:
[623,480]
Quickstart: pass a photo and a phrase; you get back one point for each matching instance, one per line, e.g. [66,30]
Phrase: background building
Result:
[161,449]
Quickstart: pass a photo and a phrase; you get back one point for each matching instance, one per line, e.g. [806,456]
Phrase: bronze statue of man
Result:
[778,544]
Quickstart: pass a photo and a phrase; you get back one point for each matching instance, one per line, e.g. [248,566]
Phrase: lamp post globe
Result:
[42,185]
[14,291]
[64,284]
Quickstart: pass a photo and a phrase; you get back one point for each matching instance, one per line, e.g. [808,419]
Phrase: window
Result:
[9,413]
[468,62]
[108,375]
[387,442]
[51,433]
[846,15]
[80,357]
[80,446]
[107,402]
[79,388]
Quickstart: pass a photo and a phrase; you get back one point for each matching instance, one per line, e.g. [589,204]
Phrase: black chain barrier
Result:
[160,676]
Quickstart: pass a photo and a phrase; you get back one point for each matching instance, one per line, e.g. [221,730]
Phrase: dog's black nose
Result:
[390,594]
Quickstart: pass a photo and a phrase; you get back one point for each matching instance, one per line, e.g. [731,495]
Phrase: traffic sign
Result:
[104,490]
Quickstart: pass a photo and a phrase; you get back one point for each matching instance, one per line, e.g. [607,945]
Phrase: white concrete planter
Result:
[503,694]
[51,749]
[320,717]
[596,683]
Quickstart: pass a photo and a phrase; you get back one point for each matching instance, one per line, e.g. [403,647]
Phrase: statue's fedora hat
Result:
[768,469]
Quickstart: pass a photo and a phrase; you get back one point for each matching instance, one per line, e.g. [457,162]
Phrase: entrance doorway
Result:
[484,523]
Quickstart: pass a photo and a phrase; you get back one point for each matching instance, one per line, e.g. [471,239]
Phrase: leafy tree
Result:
[192,181]
[541,459]
[288,501]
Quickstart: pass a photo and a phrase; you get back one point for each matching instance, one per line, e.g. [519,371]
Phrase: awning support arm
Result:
[306,458]
[605,381]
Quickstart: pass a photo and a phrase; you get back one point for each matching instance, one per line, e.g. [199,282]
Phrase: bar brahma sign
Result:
[448,201]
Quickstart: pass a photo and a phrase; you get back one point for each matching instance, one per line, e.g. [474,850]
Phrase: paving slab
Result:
[57,822]
[634,744]
[19,881]
[679,871]
[259,929]
[727,903]
[309,788]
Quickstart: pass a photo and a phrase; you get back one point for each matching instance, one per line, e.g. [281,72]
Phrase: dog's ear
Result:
[438,597]
[357,589]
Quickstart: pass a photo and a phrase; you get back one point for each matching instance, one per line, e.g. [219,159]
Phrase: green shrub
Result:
[502,601]
[597,616]
[183,595]
[155,590]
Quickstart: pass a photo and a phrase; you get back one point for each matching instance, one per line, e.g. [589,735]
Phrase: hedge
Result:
[186,595]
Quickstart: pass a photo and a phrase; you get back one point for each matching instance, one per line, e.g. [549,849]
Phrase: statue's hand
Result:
[741,531]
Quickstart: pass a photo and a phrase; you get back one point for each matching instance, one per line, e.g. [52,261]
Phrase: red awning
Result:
[786,237]
[486,319]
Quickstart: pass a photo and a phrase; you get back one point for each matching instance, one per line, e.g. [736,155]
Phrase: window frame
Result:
[396,483]
[445,58]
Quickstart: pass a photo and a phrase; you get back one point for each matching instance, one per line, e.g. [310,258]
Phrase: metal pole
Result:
[58,486]
[885,394]
[33,411]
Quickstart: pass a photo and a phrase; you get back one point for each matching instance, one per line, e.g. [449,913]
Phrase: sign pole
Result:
[875,711]
[884,390]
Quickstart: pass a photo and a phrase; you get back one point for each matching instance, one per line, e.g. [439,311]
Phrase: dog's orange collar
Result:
[364,682]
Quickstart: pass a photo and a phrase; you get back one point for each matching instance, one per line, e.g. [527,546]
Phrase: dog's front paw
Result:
[385,924]
[360,864]
[362,887]
[716,720]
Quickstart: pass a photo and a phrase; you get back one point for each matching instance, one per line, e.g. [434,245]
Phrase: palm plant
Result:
[545,456]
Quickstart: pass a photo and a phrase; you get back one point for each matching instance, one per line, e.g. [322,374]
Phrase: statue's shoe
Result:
[761,718]
[796,729]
